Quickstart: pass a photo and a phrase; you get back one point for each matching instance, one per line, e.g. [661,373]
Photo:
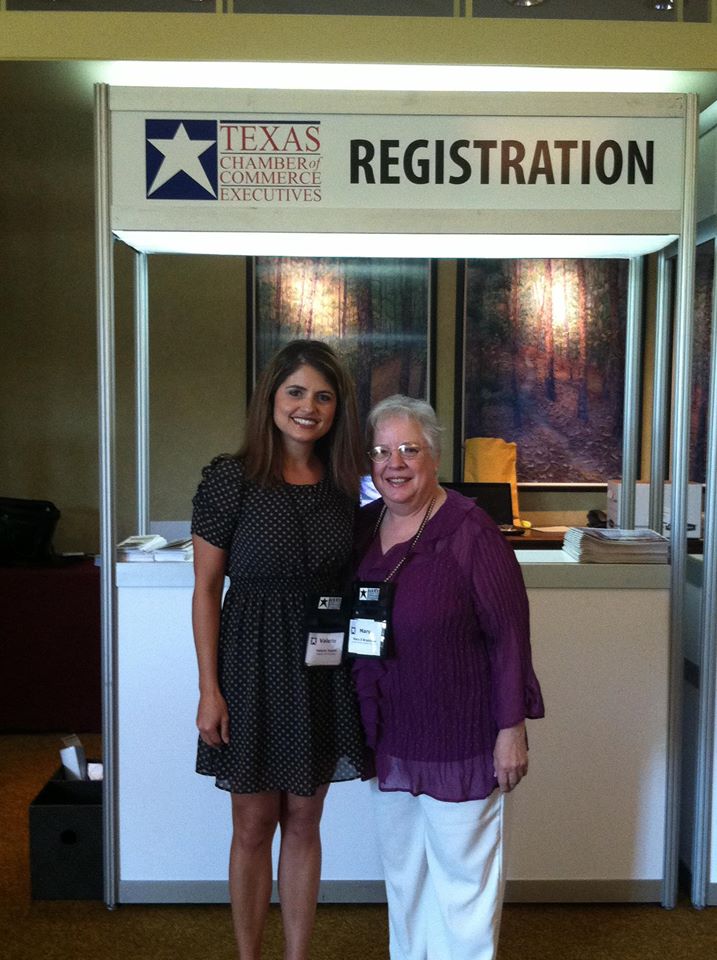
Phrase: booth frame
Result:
[428,224]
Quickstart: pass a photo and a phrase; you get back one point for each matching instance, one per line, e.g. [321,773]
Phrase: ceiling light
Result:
[663,4]
[525,3]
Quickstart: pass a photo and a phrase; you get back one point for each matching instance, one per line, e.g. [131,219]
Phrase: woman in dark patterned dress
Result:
[277,519]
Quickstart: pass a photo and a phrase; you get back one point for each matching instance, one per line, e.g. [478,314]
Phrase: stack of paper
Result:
[154,547]
[140,547]
[596,545]
[175,550]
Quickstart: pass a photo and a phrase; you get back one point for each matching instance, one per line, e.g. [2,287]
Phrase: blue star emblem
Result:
[181,159]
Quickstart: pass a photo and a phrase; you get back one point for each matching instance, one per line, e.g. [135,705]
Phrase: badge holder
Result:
[370,633]
[326,624]
[370,625]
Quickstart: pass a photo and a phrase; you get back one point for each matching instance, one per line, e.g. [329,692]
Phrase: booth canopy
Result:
[386,174]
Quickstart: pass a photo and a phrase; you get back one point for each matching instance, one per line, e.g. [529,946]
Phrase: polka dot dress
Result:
[291,727]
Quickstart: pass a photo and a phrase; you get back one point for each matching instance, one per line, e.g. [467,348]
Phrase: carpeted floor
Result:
[68,930]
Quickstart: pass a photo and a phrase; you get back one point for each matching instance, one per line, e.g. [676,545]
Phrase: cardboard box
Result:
[642,498]
[66,840]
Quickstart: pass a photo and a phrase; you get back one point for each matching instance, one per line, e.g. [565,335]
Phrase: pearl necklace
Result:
[426,517]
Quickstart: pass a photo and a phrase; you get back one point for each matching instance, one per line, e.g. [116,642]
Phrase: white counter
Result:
[587,823]
[541,568]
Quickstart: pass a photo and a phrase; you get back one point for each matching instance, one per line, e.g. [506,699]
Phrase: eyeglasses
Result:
[406,451]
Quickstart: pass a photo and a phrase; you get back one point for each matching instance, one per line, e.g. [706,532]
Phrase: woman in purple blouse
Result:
[445,714]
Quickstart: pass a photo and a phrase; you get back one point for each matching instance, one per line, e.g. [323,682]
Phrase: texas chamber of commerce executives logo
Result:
[255,162]
[181,159]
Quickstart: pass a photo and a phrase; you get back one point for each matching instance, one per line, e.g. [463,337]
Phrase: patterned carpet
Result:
[68,930]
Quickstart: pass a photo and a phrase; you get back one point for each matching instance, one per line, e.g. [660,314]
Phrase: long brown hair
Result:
[340,450]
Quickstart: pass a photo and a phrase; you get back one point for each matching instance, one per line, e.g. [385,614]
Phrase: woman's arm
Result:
[501,602]
[209,569]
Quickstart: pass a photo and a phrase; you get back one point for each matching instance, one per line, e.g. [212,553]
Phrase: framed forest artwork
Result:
[377,313]
[701,358]
[544,363]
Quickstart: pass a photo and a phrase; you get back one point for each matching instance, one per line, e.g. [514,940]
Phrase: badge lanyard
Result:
[417,537]
[325,616]
[370,632]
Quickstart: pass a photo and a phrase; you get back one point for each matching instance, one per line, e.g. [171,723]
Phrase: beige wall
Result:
[197,372]
[47,315]
[345,39]
[48,366]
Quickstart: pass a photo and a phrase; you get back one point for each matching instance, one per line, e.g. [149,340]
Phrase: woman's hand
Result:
[209,567]
[213,719]
[510,756]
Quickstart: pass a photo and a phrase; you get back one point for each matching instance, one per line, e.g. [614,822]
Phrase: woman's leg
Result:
[464,844]
[402,842]
[300,869]
[254,820]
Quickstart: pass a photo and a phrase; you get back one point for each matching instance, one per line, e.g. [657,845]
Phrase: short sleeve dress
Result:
[292,727]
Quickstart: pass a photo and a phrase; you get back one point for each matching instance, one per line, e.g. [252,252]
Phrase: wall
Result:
[48,366]
[197,372]
[47,311]
[344,39]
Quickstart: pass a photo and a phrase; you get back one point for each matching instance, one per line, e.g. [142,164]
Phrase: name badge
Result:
[370,624]
[324,649]
[326,622]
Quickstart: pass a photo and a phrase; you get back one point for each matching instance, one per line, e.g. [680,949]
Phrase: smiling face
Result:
[304,406]
[405,485]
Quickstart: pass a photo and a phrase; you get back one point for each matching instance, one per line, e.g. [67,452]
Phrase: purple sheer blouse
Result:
[462,668]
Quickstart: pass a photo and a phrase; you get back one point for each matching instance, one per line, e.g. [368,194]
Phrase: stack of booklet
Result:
[176,550]
[597,545]
[139,547]
[153,547]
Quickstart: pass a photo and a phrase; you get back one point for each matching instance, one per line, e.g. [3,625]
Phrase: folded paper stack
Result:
[597,545]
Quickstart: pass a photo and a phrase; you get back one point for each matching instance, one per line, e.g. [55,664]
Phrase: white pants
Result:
[443,864]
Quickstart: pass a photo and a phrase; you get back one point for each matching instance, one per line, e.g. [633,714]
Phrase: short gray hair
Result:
[408,408]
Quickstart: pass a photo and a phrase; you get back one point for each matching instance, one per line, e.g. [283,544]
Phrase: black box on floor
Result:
[66,840]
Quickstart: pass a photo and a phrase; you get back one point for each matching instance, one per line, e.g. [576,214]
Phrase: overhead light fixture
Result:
[451,246]
[663,4]
[525,3]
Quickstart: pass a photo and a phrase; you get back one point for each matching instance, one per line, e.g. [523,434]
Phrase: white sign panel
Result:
[399,162]
[252,161]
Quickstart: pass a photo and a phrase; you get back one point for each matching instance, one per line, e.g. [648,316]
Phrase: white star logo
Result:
[182,154]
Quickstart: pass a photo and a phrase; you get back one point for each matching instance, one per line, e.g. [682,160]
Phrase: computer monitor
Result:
[495,498]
